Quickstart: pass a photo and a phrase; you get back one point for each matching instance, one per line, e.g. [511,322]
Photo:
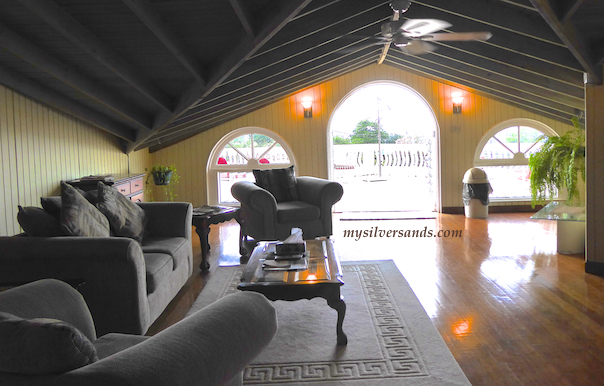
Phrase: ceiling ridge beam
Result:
[70,28]
[484,12]
[571,37]
[244,15]
[494,94]
[244,108]
[34,90]
[29,52]
[280,84]
[570,11]
[247,47]
[147,13]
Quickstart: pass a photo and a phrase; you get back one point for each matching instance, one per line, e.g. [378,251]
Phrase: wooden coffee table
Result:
[322,278]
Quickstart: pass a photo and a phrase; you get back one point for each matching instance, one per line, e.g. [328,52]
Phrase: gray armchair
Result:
[263,218]
[210,347]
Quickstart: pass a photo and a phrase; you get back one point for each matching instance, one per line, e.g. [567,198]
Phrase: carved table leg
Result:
[203,232]
[338,304]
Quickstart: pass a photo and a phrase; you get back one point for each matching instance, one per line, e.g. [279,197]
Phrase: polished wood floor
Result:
[511,310]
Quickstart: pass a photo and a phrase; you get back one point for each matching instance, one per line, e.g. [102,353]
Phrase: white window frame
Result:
[519,158]
[213,169]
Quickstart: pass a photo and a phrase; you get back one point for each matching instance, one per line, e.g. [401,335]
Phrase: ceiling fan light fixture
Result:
[400,6]
[400,40]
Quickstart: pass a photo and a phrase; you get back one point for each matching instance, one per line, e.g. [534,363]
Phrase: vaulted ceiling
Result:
[155,72]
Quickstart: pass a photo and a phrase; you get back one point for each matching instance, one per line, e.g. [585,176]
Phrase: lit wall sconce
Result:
[307,105]
[457,98]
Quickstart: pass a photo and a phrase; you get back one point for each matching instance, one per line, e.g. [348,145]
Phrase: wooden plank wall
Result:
[40,146]
[308,137]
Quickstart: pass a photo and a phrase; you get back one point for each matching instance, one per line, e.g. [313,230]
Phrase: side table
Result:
[570,225]
[203,217]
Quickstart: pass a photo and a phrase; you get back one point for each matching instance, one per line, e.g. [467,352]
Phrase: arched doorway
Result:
[383,147]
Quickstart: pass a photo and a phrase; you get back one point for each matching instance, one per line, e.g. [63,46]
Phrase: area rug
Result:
[391,339]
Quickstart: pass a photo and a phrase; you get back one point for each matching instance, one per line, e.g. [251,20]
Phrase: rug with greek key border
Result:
[391,339]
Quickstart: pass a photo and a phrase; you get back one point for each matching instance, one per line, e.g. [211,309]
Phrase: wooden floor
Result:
[511,310]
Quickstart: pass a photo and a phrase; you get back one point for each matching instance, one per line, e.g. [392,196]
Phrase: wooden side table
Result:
[203,217]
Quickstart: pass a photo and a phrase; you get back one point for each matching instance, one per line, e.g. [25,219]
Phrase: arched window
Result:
[503,153]
[237,154]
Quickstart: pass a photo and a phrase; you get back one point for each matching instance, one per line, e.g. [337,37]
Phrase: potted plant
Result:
[557,166]
[166,177]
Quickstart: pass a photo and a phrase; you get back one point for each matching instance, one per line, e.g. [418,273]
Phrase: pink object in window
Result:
[264,161]
[222,161]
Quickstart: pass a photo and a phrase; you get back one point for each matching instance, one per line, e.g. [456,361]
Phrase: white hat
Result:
[475,176]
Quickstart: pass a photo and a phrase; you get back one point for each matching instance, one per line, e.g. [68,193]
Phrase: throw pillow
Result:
[280,182]
[127,219]
[42,346]
[79,217]
[52,205]
[36,222]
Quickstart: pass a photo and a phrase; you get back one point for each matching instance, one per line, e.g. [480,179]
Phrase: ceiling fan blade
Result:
[418,27]
[418,47]
[459,36]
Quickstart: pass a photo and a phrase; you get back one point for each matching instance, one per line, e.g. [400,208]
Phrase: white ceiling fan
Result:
[412,36]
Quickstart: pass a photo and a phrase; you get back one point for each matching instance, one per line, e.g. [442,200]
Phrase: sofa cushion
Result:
[79,217]
[281,183]
[295,211]
[127,219]
[36,222]
[158,267]
[176,247]
[42,346]
[113,343]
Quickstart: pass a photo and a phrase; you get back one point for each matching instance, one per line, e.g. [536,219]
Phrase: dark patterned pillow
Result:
[52,205]
[280,182]
[127,219]
[42,346]
[79,217]
[36,222]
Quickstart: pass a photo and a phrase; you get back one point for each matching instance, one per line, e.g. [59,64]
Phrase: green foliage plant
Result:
[557,165]
[168,189]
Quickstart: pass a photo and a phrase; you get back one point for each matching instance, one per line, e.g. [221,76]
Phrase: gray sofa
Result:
[210,347]
[126,285]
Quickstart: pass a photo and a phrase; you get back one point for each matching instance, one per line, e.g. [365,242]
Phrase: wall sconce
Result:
[307,105]
[457,98]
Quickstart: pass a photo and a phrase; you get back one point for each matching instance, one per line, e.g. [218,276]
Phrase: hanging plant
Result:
[166,177]
[557,165]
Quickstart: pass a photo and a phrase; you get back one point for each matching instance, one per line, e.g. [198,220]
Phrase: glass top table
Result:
[560,211]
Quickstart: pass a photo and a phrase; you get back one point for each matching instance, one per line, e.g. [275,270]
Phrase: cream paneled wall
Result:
[459,133]
[39,147]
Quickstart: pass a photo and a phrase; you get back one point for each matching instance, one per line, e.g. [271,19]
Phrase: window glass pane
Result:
[493,149]
[275,156]
[243,144]
[536,148]
[230,156]
[510,181]
[528,136]
[226,180]
[509,137]
[261,144]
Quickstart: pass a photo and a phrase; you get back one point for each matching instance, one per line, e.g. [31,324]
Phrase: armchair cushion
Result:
[36,222]
[280,182]
[79,217]
[126,218]
[42,346]
[292,211]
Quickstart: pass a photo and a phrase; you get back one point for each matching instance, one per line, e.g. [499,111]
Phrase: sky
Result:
[401,110]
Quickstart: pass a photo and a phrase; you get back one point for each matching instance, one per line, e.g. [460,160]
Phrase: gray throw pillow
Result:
[127,219]
[281,183]
[42,346]
[79,217]
[36,222]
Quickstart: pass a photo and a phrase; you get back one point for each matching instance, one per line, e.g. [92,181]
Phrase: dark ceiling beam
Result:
[504,39]
[283,78]
[245,108]
[571,37]
[244,15]
[570,10]
[69,27]
[471,79]
[282,14]
[27,51]
[147,13]
[34,90]
[493,14]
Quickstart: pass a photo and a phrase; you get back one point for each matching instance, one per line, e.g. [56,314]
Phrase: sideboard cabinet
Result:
[130,185]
